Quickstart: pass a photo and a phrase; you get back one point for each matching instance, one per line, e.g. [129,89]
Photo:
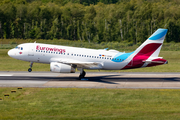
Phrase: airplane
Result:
[64,59]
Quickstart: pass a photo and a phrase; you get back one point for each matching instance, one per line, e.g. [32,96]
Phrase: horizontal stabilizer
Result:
[157,60]
[153,61]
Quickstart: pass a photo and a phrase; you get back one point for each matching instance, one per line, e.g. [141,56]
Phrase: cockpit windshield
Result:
[20,48]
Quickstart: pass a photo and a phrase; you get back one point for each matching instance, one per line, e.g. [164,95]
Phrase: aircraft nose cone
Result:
[11,53]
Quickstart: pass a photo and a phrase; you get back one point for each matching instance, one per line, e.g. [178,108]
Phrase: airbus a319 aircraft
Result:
[65,59]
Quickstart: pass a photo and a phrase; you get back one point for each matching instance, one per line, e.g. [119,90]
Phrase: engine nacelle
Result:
[61,68]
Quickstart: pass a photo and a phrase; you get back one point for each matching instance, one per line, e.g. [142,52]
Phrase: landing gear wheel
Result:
[29,70]
[82,75]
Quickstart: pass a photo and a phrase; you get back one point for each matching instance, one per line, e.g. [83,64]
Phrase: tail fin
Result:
[152,46]
[147,54]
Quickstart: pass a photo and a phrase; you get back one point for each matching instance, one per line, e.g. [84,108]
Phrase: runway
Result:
[92,80]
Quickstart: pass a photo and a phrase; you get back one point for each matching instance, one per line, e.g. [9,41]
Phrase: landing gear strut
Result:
[82,74]
[30,69]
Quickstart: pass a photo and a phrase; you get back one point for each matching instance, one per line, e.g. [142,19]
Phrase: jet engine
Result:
[61,68]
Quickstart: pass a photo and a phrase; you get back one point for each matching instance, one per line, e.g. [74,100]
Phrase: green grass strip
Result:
[77,103]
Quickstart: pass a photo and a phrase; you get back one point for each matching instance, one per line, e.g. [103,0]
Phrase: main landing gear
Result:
[30,69]
[82,74]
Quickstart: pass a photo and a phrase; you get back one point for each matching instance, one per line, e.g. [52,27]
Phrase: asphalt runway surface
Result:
[92,80]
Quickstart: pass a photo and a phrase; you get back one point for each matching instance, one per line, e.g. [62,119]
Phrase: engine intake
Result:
[61,68]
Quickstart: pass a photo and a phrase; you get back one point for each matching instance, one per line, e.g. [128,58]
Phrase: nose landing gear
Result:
[30,69]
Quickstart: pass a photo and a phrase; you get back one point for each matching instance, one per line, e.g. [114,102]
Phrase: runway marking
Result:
[5,75]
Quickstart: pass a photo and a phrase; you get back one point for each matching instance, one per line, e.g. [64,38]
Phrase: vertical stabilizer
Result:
[147,54]
[152,46]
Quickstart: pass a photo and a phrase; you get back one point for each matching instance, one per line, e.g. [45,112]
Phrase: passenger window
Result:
[21,48]
[74,54]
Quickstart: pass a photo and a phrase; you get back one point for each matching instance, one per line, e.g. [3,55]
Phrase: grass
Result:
[77,103]
[9,64]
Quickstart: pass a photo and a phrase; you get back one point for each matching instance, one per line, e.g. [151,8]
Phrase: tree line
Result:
[114,20]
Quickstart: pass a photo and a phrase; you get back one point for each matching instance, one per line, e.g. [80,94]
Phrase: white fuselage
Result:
[45,53]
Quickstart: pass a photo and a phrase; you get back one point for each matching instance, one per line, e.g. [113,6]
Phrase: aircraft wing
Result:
[78,64]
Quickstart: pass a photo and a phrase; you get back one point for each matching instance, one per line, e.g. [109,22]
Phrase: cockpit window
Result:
[20,48]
